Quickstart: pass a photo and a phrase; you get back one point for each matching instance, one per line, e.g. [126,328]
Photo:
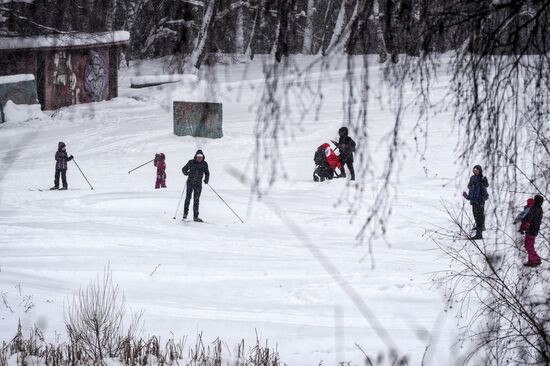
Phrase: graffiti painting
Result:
[198,119]
[95,76]
[65,89]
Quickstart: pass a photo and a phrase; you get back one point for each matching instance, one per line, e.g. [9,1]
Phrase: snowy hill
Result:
[222,278]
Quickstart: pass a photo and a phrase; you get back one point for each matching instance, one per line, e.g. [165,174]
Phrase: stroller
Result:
[326,161]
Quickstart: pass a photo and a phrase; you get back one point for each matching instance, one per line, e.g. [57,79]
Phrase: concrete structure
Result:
[68,68]
[20,89]
[198,119]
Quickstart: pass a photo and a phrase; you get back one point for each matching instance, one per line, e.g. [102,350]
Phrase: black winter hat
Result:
[538,200]
[199,152]
[343,131]
[61,145]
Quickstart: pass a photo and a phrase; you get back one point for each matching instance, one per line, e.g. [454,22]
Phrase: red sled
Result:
[326,161]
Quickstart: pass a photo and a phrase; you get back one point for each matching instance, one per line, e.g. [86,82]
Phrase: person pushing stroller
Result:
[346,145]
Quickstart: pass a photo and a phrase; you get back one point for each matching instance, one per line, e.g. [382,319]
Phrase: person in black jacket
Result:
[195,169]
[532,222]
[346,145]
[477,195]
[61,159]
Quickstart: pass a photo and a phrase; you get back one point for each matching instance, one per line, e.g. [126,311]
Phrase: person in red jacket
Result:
[161,171]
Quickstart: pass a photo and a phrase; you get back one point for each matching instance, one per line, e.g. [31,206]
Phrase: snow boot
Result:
[64,188]
[197,219]
[531,264]
[54,188]
[185,216]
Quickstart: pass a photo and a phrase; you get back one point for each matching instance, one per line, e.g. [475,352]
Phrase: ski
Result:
[47,189]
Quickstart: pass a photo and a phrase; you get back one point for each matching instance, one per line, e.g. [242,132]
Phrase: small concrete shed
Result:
[68,68]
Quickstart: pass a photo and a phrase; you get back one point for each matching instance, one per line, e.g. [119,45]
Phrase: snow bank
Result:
[64,40]
[22,112]
[11,79]
[151,80]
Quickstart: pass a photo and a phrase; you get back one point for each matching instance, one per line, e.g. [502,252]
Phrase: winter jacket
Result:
[522,214]
[534,217]
[161,166]
[195,170]
[477,188]
[61,157]
[346,145]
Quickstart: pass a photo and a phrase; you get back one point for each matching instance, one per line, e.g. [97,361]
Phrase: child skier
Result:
[533,220]
[524,225]
[161,171]
[61,159]
[195,169]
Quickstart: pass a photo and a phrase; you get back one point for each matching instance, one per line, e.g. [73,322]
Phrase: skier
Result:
[519,218]
[195,169]
[346,145]
[161,171]
[61,159]
[477,195]
[532,221]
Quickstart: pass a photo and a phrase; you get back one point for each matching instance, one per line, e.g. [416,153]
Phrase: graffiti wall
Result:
[75,76]
[198,119]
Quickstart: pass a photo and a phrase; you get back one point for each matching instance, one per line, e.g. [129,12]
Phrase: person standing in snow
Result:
[532,223]
[519,218]
[477,195]
[346,145]
[161,171]
[195,169]
[61,159]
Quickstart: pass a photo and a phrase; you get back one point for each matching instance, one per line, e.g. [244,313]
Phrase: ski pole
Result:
[141,166]
[82,173]
[224,202]
[179,203]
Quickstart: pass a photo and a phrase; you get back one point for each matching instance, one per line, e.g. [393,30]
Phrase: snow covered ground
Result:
[222,278]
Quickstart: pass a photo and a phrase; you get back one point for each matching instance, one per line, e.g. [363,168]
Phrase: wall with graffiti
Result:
[76,76]
[198,119]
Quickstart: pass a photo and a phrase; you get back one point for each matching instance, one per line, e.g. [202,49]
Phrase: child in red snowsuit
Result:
[532,223]
[161,171]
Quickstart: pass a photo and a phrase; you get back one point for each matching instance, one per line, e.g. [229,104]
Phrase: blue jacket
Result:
[477,189]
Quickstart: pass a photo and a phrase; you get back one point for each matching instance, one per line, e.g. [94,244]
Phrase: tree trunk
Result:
[380,41]
[110,13]
[239,32]
[308,32]
[281,43]
[340,24]
[199,50]
[257,21]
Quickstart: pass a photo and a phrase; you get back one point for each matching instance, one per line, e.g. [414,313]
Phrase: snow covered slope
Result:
[223,278]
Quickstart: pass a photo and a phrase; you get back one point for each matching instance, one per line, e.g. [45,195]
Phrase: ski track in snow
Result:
[223,278]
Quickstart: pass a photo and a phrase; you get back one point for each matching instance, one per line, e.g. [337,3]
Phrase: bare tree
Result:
[94,318]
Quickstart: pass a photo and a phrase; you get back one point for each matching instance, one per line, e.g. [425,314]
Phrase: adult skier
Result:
[61,159]
[477,195]
[195,169]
